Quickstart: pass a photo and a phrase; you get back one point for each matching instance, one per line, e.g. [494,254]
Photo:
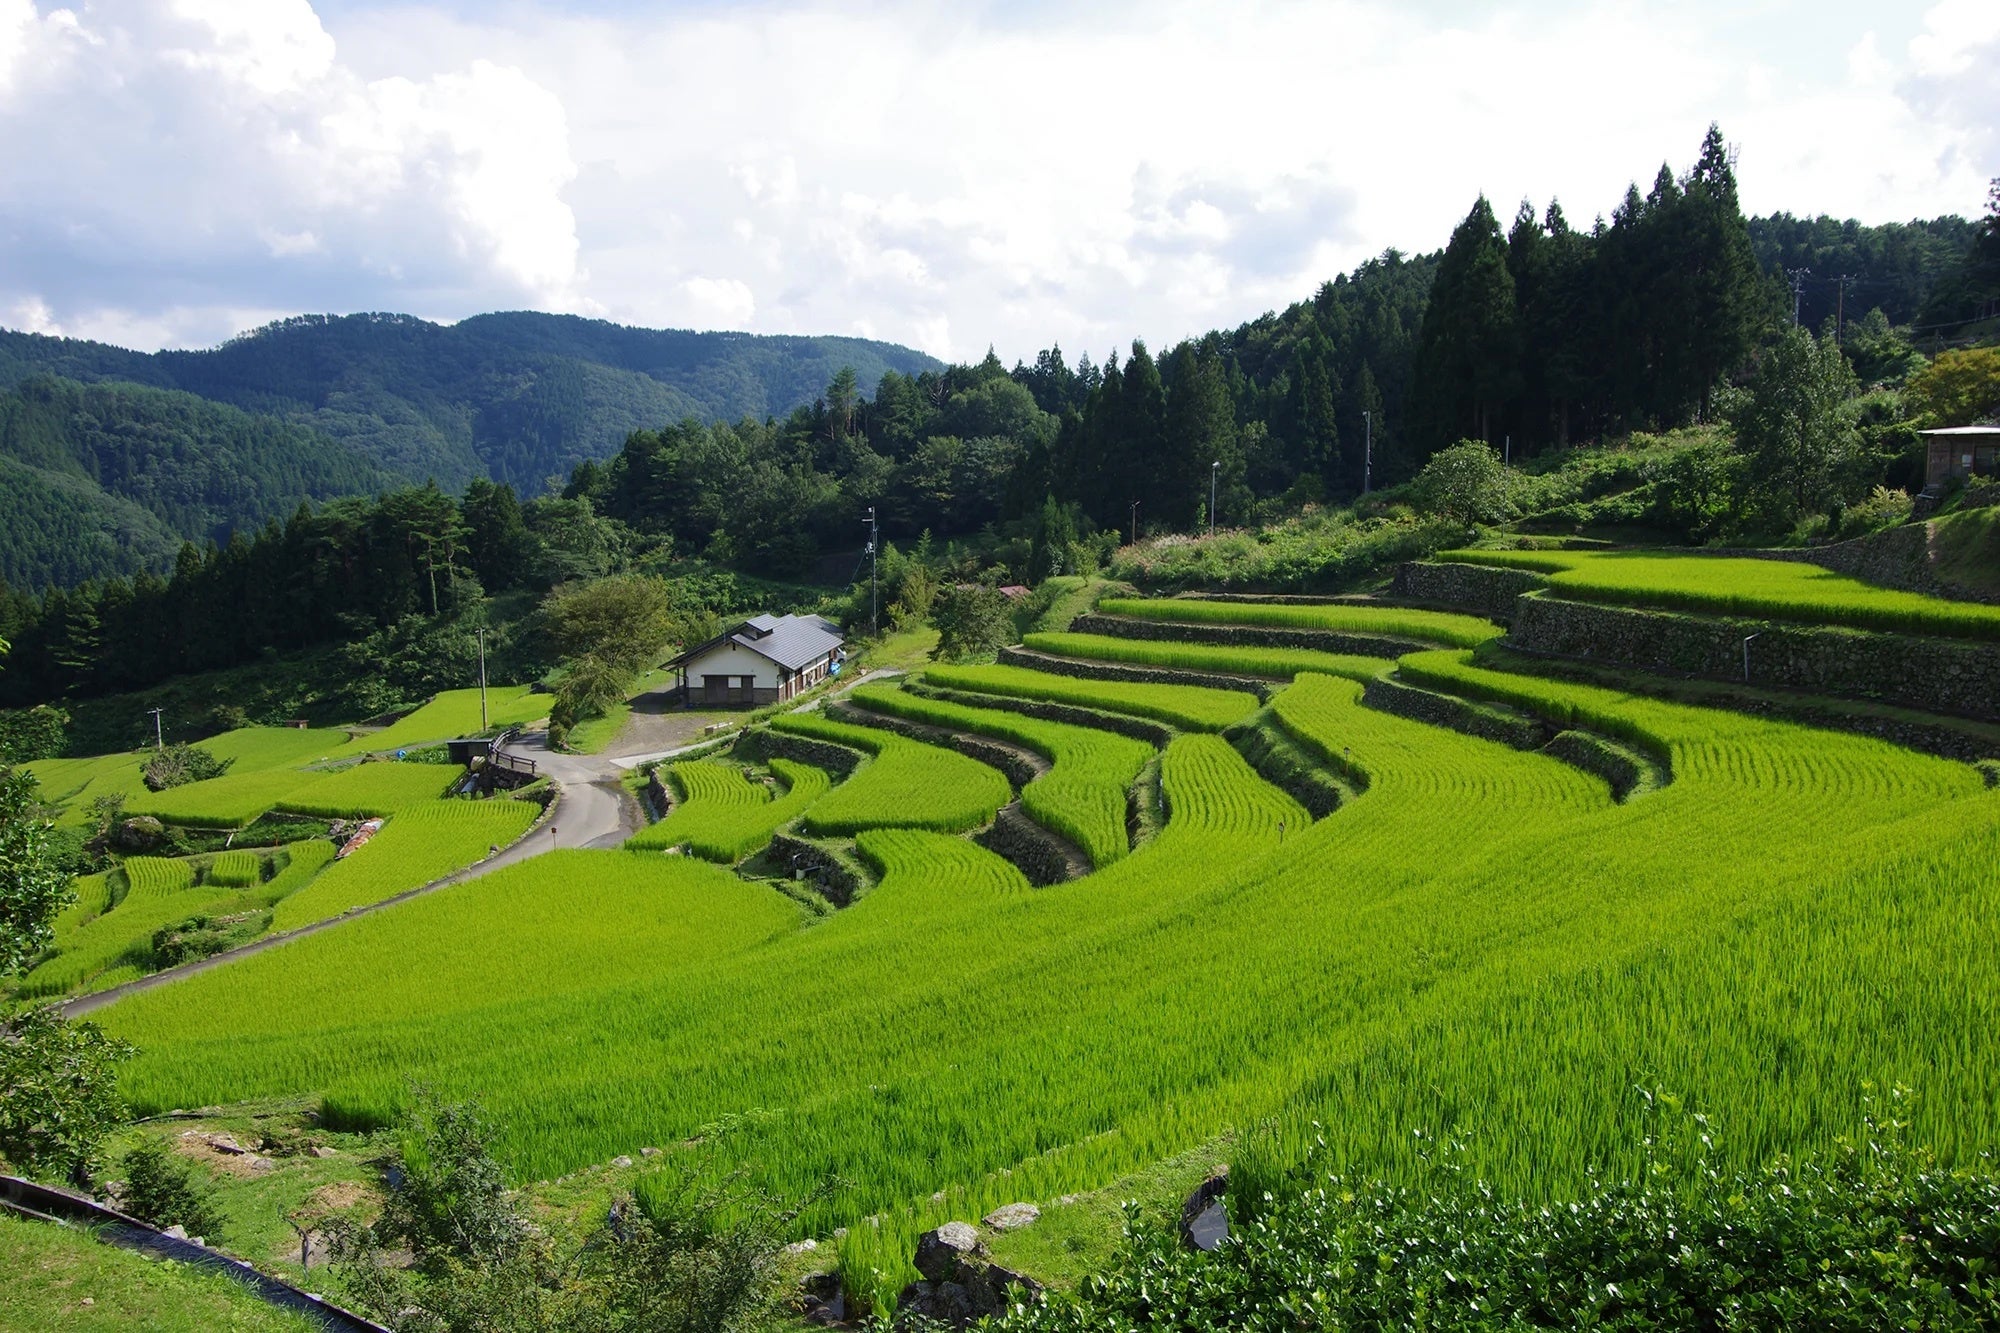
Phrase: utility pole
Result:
[1135,522]
[1840,309]
[158,742]
[1507,452]
[482,678]
[1367,449]
[874,541]
[1798,277]
[1214,471]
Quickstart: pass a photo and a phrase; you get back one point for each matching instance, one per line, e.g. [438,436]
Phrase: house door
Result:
[715,689]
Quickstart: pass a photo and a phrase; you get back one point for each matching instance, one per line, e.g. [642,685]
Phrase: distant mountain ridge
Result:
[107,463]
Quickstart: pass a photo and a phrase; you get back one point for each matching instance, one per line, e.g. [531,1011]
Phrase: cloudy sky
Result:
[946,175]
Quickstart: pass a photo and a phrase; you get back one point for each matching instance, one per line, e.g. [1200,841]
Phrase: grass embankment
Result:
[450,714]
[1743,586]
[61,1278]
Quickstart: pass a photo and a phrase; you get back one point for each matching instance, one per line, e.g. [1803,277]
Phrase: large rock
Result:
[940,1251]
[1013,1216]
[141,833]
[1205,1216]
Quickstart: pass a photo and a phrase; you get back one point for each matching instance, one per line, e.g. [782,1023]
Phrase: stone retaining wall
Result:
[1248,636]
[1287,765]
[1039,853]
[837,877]
[1487,721]
[1623,769]
[1485,590]
[1019,769]
[1065,666]
[1954,677]
[760,744]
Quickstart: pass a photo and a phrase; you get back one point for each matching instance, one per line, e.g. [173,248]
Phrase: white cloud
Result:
[939,175]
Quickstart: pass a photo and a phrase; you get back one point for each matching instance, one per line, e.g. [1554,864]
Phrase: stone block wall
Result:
[1487,721]
[1484,590]
[1960,678]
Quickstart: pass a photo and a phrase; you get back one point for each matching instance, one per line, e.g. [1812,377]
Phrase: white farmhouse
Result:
[761,661]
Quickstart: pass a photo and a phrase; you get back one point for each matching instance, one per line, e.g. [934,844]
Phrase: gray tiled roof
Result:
[790,641]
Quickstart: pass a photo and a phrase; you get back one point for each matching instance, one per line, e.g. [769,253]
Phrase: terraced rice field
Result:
[449,714]
[1459,631]
[74,783]
[420,843]
[1482,943]
[236,799]
[1744,586]
[906,785]
[1230,659]
[106,934]
[1194,707]
[724,816]
[1082,798]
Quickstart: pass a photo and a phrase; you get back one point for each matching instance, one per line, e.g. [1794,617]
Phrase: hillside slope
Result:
[110,478]
[519,397]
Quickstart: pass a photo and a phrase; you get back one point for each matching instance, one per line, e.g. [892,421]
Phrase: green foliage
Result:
[450,713]
[590,687]
[1741,586]
[238,869]
[179,764]
[1960,388]
[1828,1242]
[161,1187]
[28,734]
[1317,552]
[623,621]
[972,620]
[33,887]
[1796,436]
[1464,484]
[58,1092]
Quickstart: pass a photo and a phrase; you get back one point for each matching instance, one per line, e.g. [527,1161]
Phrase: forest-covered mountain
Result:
[317,406]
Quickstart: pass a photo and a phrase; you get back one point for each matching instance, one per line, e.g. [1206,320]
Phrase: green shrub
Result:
[162,1188]
[1878,1236]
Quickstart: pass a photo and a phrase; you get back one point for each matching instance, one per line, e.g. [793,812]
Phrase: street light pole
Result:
[874,543]
[158,742]
[1746,658]
[1135,522]
[482,678]
[1214,470]
[1367,449]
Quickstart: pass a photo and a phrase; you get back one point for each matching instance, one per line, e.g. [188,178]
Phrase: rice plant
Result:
[1744,586]
[724,816]
[1282,663]
[1082,797]
[1195,707]
[236,869]
[906,785]
[420,843]
[450,713]
[1446,627]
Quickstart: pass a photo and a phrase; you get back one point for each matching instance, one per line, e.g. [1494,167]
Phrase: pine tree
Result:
[1468,353]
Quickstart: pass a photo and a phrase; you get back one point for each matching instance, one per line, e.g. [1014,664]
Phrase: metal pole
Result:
[1214,470]
[158,742]
[1746,658]
[482,678]
[1367,450]
[1135,522]
[874,556]
[1507,456]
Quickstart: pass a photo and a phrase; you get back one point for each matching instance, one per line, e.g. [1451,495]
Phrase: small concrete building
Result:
[1958,452]
[762,660]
